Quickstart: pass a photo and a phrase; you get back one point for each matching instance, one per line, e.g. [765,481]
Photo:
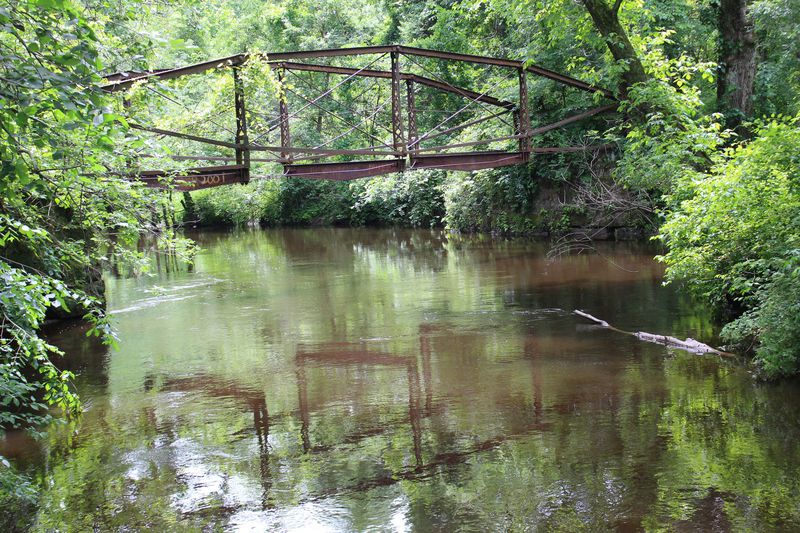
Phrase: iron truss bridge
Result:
[372,128]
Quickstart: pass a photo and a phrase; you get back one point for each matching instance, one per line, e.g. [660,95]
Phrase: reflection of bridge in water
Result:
[420,406]
[405,147]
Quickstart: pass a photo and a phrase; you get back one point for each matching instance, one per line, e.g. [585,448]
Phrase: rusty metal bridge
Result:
[390,127]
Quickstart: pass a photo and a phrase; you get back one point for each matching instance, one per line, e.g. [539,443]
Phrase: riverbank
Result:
[504,202]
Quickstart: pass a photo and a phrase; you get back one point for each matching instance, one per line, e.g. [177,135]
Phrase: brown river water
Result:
[393,380]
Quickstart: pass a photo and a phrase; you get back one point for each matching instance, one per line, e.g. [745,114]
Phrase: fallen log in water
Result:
[690,345]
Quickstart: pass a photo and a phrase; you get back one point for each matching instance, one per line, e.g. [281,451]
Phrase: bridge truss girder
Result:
[406,152]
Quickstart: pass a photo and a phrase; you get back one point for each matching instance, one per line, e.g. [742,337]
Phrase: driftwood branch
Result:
[689,345]
[587,316]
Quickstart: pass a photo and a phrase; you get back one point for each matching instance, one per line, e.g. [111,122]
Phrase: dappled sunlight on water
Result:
[335,380]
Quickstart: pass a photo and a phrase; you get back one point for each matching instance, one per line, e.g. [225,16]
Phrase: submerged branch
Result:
[689,345]
[587,316]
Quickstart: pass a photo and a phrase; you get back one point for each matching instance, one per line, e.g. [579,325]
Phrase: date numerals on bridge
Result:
[207,181]
[200,178]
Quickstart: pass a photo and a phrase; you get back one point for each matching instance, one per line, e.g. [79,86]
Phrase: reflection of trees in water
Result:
[578,437]
[422,249]
[605,447]
[343,355]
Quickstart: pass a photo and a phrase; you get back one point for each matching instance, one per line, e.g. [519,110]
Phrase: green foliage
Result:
[238,205]
[64,212]
[734,235]
[18,498]
[46,105]
[667,132]
[411,199]
[490,200]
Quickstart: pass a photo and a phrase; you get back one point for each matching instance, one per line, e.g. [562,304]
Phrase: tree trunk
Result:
[606,20]
[737,58]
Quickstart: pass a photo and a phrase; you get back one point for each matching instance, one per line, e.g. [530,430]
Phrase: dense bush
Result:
[502,200]
[238,205]
[499,200]
[58,222]
[734,236]
[315,202]
[18,498]
[491,200]
[666,133]
[411,199]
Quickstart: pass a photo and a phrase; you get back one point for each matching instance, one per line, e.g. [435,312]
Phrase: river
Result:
[397,380]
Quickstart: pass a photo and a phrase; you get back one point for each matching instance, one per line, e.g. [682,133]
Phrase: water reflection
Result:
[354,380]
[327,358]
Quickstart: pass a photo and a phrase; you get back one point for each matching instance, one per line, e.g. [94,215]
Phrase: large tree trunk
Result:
[737,58]
[606,20]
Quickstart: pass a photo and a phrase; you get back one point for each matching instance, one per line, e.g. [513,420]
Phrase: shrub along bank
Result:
[733,236]
[510,201]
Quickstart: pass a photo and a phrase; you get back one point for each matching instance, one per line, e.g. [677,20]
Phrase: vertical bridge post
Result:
[242,151]
[413,145]
[283,113]
[524,118]
[397,119]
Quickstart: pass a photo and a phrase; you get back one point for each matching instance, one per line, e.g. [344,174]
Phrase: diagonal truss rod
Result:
[187,108]
[346,121]
[353,127]
[573,118]
[357,127]
[186,136]
[438,83]
[310,86]
[448,119]
[271,121]
[464,125]
[466,93]
[323,95]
